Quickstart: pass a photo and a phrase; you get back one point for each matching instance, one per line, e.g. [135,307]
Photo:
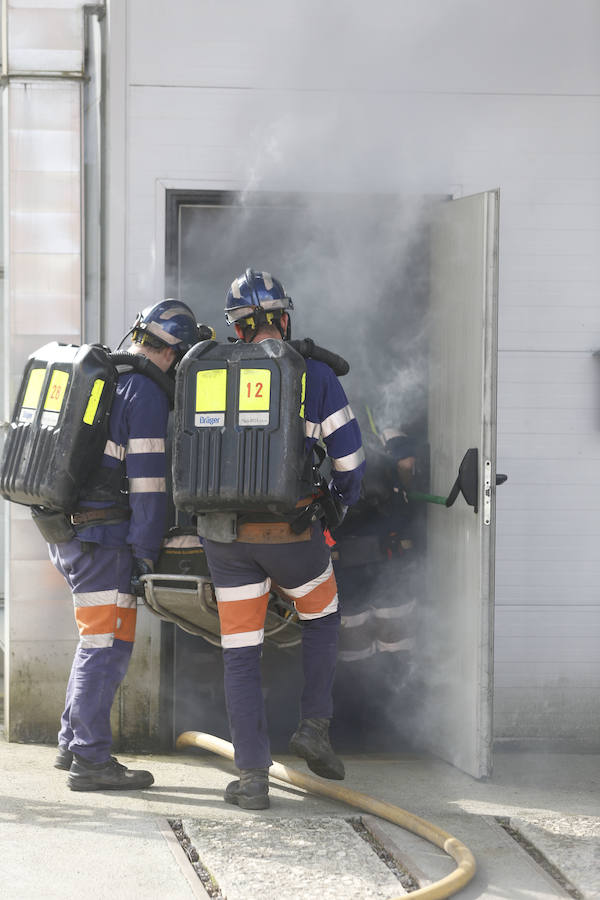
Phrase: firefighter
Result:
[374,561]
[300,565]
[119,526]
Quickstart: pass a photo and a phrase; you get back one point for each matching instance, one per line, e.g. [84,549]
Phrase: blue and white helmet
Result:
[253,291]
[169,323]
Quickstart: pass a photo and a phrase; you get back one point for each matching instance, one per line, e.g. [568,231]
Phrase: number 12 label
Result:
[255,389]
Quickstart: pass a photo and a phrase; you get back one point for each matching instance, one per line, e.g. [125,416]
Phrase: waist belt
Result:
[269,533]
[255,518]
[107,515]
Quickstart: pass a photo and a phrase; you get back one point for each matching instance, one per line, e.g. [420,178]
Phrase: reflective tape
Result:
[396,646]
[356,620]
[95,598]
[330,608]
[244,592]
[147,486]
[353,655]
[235,289]
[243,639]
[116,451]
[96,640]
[388,433]
[125,627]
[183,540]
[166,336]
[350,462]
[146,445]
[308,586]
[126,601]
[312,429]
[336,420]
[395,612]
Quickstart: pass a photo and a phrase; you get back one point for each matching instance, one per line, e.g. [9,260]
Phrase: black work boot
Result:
[63,758]
[108,776]
[251,790]
[311,742]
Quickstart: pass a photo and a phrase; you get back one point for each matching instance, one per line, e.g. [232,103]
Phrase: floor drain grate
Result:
[209,883]
[408,882]
[539,858]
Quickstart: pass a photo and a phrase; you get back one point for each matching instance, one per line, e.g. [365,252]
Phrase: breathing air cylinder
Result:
[59,425]
[239,429]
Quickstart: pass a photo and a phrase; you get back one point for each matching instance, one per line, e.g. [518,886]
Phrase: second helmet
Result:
[255,290]
[168,323]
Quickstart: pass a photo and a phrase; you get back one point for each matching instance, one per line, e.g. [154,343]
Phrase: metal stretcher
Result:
[180,591]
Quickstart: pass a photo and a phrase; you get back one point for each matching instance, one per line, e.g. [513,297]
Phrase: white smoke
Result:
[349,132]
[348,172]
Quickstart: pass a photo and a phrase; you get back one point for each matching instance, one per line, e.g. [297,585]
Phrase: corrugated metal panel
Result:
[43,142]
[44,37]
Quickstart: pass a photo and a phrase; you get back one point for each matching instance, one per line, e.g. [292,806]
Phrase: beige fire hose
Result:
[445,887]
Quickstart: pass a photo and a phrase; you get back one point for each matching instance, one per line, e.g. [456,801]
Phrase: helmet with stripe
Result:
[169,323]
[255,291]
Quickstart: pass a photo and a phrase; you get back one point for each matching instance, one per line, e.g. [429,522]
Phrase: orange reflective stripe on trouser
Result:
[315,598]
[242,612]
[126,617]
[102,616]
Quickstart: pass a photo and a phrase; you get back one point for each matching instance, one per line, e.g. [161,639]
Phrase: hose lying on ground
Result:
[445,887]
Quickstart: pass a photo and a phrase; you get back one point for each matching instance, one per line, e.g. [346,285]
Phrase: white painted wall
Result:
[42,302]
[455,97]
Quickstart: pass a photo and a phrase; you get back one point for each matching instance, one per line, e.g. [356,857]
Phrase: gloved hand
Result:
[336,509]
[140,567]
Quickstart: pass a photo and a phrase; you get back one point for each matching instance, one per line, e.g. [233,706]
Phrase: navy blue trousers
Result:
[105,611]
[243,574]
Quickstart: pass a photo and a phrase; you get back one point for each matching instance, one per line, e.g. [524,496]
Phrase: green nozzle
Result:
[426,498]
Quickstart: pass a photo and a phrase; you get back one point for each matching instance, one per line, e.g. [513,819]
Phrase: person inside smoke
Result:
[119,526]
[374,562]
[300,565]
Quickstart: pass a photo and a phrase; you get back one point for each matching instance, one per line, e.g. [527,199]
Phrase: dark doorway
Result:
[356,268]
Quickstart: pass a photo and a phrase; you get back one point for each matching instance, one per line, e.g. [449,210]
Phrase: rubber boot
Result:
[108,776]
[311,742]
[251,790]
[63,758]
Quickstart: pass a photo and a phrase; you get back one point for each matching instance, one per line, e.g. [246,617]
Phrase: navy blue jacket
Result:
[136,440]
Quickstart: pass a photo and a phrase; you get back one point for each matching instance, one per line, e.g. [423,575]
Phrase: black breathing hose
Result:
[146,367]
[309,350]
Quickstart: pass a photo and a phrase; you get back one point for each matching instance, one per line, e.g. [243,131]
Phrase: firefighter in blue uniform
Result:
[119,527]
[375,565]
[300,566]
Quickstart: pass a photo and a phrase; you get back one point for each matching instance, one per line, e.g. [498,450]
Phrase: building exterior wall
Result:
[45,152]
[434,98]
[502,96]
[42,228]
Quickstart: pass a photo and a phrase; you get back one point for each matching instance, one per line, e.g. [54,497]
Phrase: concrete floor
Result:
[56,843]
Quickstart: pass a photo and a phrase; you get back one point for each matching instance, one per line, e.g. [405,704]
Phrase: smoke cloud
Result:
[347,144]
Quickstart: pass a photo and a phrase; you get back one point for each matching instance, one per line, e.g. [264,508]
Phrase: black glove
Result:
[140,567]
[335,510]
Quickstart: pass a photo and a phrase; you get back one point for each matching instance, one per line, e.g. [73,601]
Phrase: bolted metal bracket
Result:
[487,492]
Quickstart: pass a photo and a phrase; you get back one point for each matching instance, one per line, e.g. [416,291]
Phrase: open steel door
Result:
[458,614]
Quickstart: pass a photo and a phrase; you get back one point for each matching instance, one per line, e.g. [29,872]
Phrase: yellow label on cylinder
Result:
[56,390]
[255,389]
[92,406]
[211,390]
[34,388]
[303,395]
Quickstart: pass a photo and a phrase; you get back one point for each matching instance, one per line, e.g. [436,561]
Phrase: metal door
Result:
[457,619]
